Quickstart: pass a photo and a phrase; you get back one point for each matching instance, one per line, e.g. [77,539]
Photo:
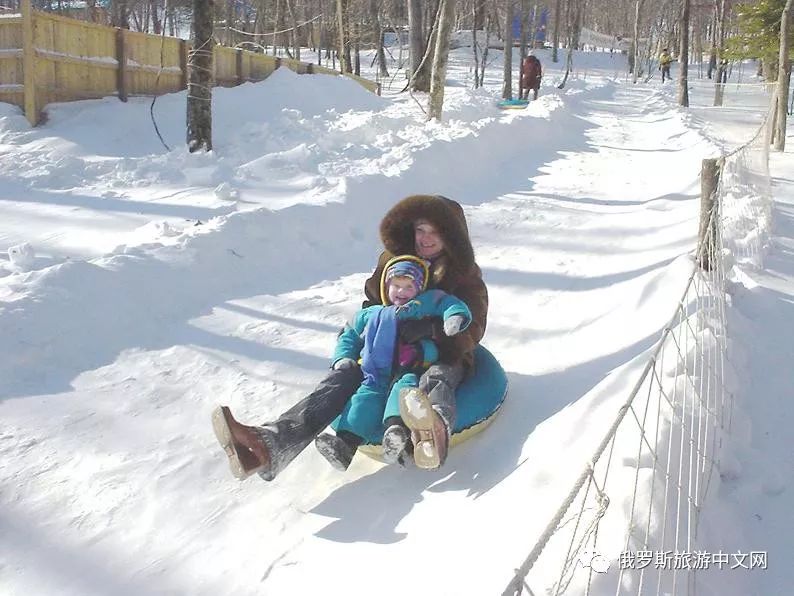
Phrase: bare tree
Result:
[377,34]
[416,35]
[446,21]
[523,18]
[422,75]
[556,34]
[720,7]
[507,85]
[783,78]
[683,57]
[634,45]
[199,85]
[342,41]
[296,51]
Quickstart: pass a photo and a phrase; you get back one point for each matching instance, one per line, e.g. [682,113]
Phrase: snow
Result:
[140,287]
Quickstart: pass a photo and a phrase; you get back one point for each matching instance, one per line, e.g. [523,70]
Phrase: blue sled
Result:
[512,104]
[479,399]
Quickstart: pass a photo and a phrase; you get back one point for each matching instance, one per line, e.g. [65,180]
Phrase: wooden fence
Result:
[46,58]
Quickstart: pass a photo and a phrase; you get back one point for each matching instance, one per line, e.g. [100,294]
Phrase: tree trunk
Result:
[446,21]
[157,25]
[357,52]
[377,35]
[275,26]
[475,47]
[484,61]
[783,77]
[556,33]
[296,45]
[634,45]
[721,8]
[507,78]
[199,82]
[424,72]
[416,35]
[479,14]
[683,58]
[522,44]
[343,49]
[121,14]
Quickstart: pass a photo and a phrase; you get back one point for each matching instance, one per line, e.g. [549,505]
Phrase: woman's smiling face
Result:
[427,239]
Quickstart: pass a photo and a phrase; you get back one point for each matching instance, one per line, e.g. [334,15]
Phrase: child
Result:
[388,365]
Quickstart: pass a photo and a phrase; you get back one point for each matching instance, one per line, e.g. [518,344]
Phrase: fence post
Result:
[121,59]
[238,65]
[29,64]
[184,48]
[709,213]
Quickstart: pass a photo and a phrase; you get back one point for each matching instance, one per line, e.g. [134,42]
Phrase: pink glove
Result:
[407,354]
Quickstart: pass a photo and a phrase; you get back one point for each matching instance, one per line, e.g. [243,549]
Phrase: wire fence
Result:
[630,522]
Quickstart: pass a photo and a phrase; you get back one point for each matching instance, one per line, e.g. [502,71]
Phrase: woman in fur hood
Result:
[431,227]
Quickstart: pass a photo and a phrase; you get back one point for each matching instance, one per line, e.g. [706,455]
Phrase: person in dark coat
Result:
[433,228]
[531,73]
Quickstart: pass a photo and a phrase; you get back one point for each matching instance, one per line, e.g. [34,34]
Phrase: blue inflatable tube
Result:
[479,399]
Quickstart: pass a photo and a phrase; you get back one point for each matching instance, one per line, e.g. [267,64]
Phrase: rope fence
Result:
[629,524]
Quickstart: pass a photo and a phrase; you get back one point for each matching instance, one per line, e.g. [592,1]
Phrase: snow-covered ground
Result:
[156,284]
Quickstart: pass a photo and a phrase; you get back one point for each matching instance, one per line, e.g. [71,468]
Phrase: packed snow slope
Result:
[156,284]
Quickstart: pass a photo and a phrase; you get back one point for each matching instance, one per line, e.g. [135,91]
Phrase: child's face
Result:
[401,290]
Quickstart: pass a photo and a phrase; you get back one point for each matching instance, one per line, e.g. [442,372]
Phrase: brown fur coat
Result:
[455,271]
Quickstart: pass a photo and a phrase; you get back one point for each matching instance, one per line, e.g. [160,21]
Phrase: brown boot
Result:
[244,447]
[429,432]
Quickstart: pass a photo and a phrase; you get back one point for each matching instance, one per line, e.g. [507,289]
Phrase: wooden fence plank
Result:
[29,63]
[47,58]
[121,66]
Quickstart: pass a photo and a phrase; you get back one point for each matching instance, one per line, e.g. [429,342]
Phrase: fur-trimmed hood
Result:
[397,228]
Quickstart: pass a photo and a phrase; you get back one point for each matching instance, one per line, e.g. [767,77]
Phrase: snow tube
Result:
[479,399]
[512,104]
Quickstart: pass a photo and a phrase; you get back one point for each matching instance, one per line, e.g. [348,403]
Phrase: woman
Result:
[433,228]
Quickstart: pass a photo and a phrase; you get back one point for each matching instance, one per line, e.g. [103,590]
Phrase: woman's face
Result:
[427,240]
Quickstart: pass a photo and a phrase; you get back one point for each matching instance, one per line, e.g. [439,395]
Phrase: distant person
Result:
[531,73]
[665,59]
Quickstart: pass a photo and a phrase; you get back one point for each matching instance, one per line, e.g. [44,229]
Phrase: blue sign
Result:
[540,26]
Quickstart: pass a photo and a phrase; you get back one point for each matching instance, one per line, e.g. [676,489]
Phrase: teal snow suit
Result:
[372,336]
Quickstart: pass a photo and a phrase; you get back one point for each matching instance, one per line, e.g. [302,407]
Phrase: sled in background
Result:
[512,104]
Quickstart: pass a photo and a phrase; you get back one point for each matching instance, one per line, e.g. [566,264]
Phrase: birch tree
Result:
[783,78]
[683,57]
[446,21]
[634,45]
[342,41]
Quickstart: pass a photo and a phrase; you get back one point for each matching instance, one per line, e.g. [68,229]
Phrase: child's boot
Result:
[395,440]
[338,449]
